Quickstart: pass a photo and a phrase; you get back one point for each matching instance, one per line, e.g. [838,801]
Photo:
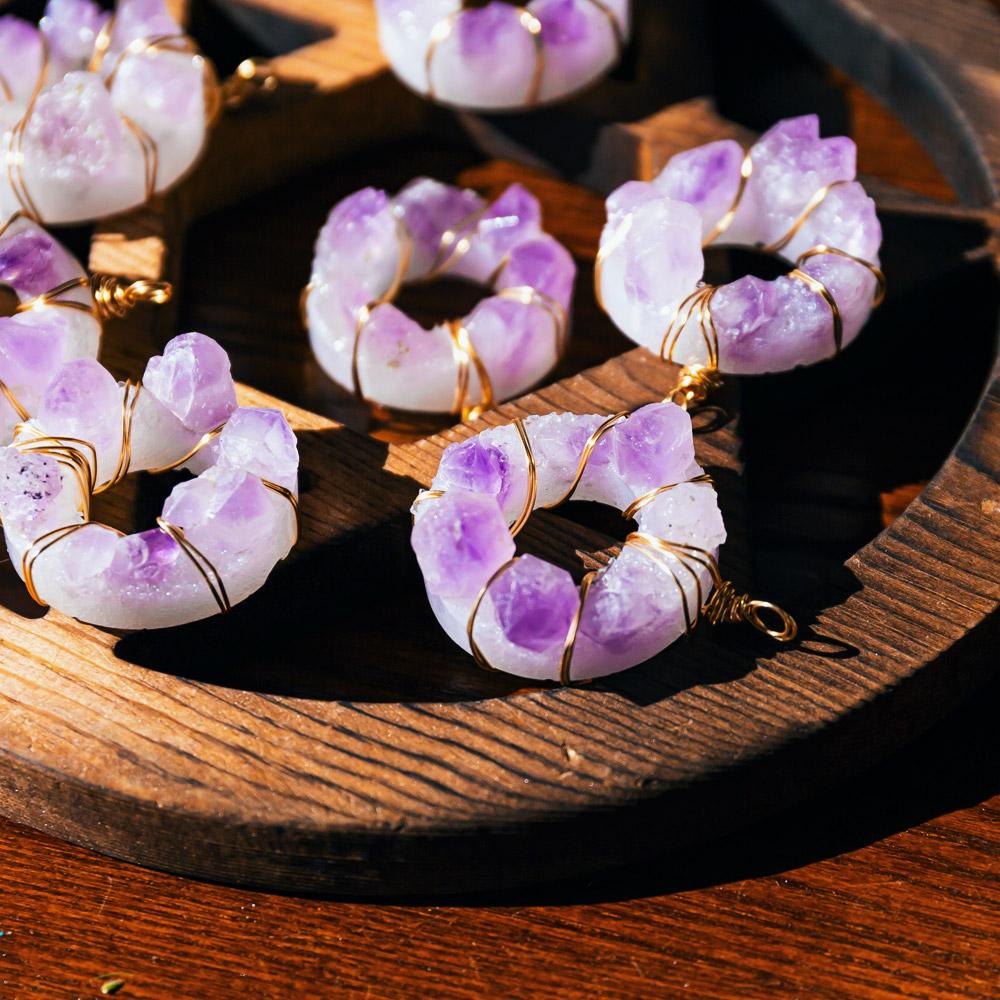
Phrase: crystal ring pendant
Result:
[793,194]
[525,616]
[448,51]
[99,112]
[373,245]
[220,534]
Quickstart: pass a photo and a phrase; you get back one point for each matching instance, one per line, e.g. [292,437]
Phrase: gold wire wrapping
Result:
[531,492]
[525,18]
[588,450]
[200,561]
[79,457]
[697,382]
[443,29]
[723,605]
[647,498]
[251,77]
[453,245]
[230,93]
[45,542]
[15,403]
[726,220]
[115,296]
[130,397]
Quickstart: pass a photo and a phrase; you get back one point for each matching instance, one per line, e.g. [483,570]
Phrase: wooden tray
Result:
[325,736]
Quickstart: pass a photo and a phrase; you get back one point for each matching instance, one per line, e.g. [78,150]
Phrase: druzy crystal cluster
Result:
[35,342]
[240,525]
[550,48]
[634,607]
[652,249]
[434,228]
[83,148]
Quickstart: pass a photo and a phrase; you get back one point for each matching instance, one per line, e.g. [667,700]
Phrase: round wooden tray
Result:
[325,736]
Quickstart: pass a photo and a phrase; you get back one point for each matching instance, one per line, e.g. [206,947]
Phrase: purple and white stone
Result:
[572,42]
[36,342]
[78,157]
[359,253]
[652,249]
[634,608]
[145,580]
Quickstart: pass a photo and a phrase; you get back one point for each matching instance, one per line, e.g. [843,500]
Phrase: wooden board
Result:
[300,743]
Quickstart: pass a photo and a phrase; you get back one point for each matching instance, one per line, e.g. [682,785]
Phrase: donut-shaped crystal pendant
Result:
[55,320]
[793,194]
[98,112]
[221,533]
[372,245]
[526,616]
[501,56]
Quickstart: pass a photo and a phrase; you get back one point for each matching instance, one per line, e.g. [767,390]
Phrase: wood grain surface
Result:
[879,889]
[300,743]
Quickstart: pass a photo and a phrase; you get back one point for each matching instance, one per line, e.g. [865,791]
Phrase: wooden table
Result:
[883,887]
[886,887]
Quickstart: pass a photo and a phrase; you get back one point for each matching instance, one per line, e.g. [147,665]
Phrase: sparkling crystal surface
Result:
[192,379]
[74,128]
[460,541]
[534,603]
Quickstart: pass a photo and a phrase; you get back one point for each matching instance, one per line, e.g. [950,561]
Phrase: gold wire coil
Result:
[443,29]
[724,604]
[453,245]
[695,384]
[252,77]
[113,297]
[116,297]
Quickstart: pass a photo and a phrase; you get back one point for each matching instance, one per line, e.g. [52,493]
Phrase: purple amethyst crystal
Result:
[20,55]
[430,209]
[654,447]
[624,604]
[545,265]
[475,466]
[192,379]
[510,218]
[75,129]
[82,400]
[27,262]
[28,484]
[136,19]
[460,542]
[261,442]
[146,557]
[535,603]
[563,23]
[352,224]
[71,28]
[480,30]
